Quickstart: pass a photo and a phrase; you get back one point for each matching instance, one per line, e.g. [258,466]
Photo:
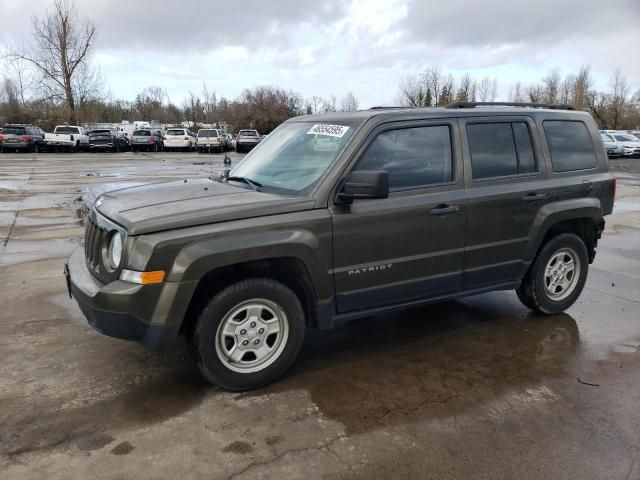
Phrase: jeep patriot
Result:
[345,215]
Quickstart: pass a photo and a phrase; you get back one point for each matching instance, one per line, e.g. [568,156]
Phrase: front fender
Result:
[555,212]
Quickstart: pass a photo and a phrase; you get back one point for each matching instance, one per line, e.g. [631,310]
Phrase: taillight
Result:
[1,138]
[614,187]
[186,138]
[26,138]
[152,139]
[164,137]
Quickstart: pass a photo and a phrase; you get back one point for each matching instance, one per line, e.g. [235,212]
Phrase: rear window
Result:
[14,130]
[100,132]
[625,138]
[500,149]
[207,133]
[175,132]
[142,133]
[570,145]
[248,133]
[66,130]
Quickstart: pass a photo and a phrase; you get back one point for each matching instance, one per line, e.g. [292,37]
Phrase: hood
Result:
[186,203]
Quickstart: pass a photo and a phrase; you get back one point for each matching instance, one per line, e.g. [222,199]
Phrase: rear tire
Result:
[556,276]
[248,335]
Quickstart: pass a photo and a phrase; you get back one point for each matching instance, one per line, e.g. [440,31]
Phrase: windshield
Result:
[625,138]
[295,156]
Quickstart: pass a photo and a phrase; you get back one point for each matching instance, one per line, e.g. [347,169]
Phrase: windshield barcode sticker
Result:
[330,130]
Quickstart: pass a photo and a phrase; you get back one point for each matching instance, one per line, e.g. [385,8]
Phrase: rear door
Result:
[410,245]
[505,179]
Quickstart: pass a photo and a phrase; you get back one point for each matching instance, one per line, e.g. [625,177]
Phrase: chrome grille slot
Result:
[93,241]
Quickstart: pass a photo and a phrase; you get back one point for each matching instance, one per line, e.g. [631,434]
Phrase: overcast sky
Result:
[325,47]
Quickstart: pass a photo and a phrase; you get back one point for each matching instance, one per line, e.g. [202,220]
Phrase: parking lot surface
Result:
[475,388]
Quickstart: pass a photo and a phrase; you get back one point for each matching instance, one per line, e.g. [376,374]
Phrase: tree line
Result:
[615,107]
[52,80]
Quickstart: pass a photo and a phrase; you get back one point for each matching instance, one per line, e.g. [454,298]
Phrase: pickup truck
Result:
[67,137]
[347,215]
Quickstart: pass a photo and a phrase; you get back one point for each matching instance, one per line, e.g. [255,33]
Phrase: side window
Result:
[500,149]
[414,157]
[570,145]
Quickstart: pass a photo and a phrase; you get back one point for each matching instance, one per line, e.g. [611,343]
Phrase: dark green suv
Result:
[345,215]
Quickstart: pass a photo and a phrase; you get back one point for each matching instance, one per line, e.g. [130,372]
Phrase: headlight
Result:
[114,251]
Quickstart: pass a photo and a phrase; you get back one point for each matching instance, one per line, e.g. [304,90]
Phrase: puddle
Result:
[626,205]
[438,361]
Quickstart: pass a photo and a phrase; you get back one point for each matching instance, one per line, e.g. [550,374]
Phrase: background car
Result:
[179,138]
[613,149]
[147,139]
[629,143]
[21,137]
[210,139]
[246,140]
[107,139]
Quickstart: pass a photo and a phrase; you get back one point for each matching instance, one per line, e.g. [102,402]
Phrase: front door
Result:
[410,245]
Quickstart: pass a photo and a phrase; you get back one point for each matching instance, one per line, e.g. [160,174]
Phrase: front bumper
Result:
[111,309]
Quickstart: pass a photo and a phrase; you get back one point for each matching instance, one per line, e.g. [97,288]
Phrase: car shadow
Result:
[430,362]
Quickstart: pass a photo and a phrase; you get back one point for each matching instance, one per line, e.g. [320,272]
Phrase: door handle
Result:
[443,209]
[534,197]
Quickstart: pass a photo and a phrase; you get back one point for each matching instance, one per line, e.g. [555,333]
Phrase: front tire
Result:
[248,335]
[556,276]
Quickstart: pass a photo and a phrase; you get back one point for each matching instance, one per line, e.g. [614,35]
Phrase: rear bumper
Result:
[16,145]
[109,308]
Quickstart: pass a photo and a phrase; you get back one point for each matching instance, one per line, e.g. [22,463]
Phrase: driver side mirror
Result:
[364,184]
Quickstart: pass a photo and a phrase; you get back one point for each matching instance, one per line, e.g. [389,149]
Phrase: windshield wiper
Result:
[252,183]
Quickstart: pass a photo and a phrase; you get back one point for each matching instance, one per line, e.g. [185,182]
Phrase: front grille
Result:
[97,234]
[94,240]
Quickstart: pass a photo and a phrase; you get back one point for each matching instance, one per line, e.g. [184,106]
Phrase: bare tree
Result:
[488,89]
[535,93]
[582,86]
[316,102]
[60,53]
[349,103]
[414,92]
[465,87]
[516,93]
[551,85]
[329,104]
[619,95]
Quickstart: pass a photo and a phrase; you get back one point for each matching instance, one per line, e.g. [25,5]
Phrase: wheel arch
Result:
[288,270]
[583,218]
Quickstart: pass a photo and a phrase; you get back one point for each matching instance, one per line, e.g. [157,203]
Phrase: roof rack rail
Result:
[381,107]
[551,106]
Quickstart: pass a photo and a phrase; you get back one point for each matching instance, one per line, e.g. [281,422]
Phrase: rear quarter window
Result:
[570,145]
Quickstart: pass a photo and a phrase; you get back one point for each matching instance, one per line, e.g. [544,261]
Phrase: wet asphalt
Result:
[476,388]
